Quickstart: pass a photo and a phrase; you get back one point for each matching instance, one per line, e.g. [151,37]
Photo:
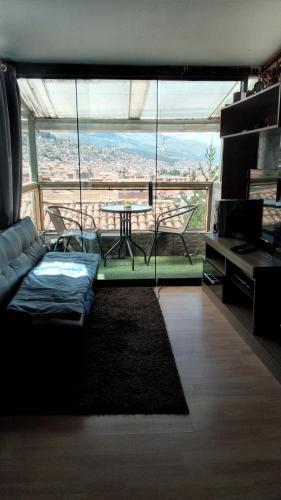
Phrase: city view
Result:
[113,137]
[124,156]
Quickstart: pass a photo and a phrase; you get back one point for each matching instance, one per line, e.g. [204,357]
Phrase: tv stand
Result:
[244,248]
[248,282]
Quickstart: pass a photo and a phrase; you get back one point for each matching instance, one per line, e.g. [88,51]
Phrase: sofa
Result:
[40,287]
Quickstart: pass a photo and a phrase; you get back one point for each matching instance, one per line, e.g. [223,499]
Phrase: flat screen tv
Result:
[240,218]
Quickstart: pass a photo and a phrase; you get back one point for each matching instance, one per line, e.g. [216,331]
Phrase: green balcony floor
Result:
[167,267]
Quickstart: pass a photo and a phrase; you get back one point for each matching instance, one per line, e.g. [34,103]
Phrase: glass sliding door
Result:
[128,153]
[50,145]
[116,122]
[188,172]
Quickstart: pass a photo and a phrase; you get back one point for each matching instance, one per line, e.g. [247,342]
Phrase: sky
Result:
[206,137]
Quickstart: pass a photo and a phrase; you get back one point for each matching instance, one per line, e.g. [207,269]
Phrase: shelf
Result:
[248,263]
[257,95]
[257,113]
[252,131]
[236,281]
[218,264]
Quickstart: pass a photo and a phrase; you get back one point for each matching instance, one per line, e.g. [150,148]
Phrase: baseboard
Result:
[149,282]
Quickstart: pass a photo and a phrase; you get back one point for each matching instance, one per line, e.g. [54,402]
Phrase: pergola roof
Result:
[125,99]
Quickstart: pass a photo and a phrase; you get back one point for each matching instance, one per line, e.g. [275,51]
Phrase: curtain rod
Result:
[138,72]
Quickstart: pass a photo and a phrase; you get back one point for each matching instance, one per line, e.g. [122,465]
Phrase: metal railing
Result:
[35,206]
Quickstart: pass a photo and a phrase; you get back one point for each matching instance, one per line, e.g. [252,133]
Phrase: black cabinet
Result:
[248,282]
[213,267]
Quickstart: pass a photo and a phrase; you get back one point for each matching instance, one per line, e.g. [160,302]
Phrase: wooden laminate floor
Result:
[229,447]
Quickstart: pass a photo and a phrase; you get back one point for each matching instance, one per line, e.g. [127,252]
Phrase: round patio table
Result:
[125,213]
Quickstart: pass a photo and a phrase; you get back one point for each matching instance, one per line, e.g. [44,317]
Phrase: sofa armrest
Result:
[21,248]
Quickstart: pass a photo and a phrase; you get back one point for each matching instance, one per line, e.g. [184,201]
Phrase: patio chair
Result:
[77,237]
[184,215]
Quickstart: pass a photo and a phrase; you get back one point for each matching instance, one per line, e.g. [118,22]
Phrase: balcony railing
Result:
[37,197]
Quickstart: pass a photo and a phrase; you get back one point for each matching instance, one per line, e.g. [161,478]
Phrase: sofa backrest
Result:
[20,250]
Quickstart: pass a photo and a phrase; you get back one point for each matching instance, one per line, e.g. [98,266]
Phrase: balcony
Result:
[170,260]
[90,142]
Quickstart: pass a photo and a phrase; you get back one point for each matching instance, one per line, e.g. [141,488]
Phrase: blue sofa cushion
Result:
[20,250]
[58,286]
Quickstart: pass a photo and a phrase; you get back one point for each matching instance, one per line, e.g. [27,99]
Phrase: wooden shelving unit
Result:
[242,124]
[258,112]
[247,284]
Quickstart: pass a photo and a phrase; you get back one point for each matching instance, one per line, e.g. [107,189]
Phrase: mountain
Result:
[170,149]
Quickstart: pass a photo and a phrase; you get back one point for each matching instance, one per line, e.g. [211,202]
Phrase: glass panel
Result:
[26,168]
[115,160]
[188,166]
[188,156]
[57,154]
[28,205]
[48,98]
[193,100]
[92,199]
[103,99]
[265,184]
[116,167]
[172,258]
[228,98]
[251,82]
[66,197]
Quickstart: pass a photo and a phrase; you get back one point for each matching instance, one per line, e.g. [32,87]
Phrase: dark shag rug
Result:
[122,363]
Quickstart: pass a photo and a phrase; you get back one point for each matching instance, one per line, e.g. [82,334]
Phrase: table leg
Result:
[119,251]
[125,235]
[140,248]
[119,242]
[130,240]
[131,253]
[122,232]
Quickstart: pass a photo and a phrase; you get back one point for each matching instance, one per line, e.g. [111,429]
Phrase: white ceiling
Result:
[188,32]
